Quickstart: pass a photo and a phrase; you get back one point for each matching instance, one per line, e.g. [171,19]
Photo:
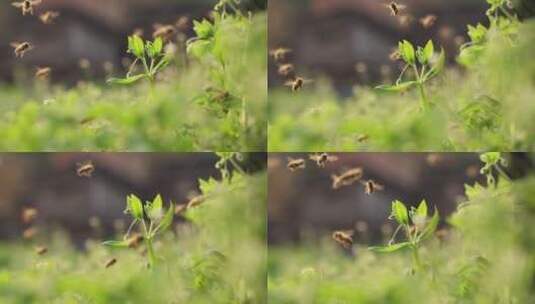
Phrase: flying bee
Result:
[280,54]
[362,138]
[196,201]
[347,178]
[21,48]
[323,158]
[85,169]
[344,238]
[395,8]
[182,23]
[29,233]
[297,84]
[371,186]
[48,17]
[134,241]
[287,70]
[28,215]
[428,21]
[166,32]
[40,250]
[138,32]
[43,72]
[295,164]
[110,262]
[26,6]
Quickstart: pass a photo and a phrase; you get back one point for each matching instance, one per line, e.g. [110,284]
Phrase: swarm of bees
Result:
[397,9]
[85,169]
[287,69]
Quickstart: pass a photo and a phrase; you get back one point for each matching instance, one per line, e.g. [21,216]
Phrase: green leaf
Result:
[422,209]
[400,213]
[126,81]
[478,33]
[406,50]
[157,46]
[390,248]
[155,210]
[203,29]
[120,244]
[134,206]
[136,46]
[167,219]
[431,226]
[429,50]
[401,87]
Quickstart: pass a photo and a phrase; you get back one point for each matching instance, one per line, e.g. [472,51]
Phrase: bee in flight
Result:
[43,72]
[110,262]
[323,158]
[26,6]
[297,84]
[428,21]
[21,48]
[48,17]
[344,238]
[166,32]
[40,250]
[287,70]
[280,54]
[295,164]
[395,8]
[28,215]
[85,169]
[371,186]
[347,178]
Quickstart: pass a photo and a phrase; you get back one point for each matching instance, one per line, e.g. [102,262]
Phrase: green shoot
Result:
[425,66]
[149,54]
[417,226]
[153,221]
[493,165]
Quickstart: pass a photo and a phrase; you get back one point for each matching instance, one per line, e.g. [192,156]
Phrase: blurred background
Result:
[349,41]
[302,206]
[89,35]
[49,183]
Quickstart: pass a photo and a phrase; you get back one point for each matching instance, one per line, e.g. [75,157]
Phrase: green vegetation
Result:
[485,255]
[213,98]
[218,256]
[485,105]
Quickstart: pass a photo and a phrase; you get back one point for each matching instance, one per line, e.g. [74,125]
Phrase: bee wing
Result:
[15,44]
[308,80]
[17,4]
[314,157]
[289,83]
[157,26]
[401,6]
[332,158]
[36,2]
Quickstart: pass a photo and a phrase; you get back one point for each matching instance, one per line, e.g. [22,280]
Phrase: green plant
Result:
[153,221]
[493,165]
[416,224]
[150,54]
[424,64]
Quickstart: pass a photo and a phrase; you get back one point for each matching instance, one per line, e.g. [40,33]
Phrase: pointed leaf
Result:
[134,206]
[401,87]
[126,81]
[429,50]
[136,46]
[431,226]
[155,209]
[390,248]
[167,219]
[422,209]
[400,213]
[120,244]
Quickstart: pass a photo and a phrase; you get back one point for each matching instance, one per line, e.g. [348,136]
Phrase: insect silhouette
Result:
[110,262]
[43,72]
[280,54]
[287,70]
[28,215]
[20,48]
[323,158]
[297,84]
[371,187]
[85,169]
[41,250]
[295,164]
[26,6]
[344,238]
[428,21]
[165,32]
[395,8]
[347,178]
[48,17]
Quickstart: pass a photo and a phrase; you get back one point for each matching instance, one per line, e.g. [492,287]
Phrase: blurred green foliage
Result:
[489,105]
[485,256]
[219,257]
[217,102]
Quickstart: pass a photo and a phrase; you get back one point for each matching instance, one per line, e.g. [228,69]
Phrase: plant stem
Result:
[416,259]
[150,250]
[423,97]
